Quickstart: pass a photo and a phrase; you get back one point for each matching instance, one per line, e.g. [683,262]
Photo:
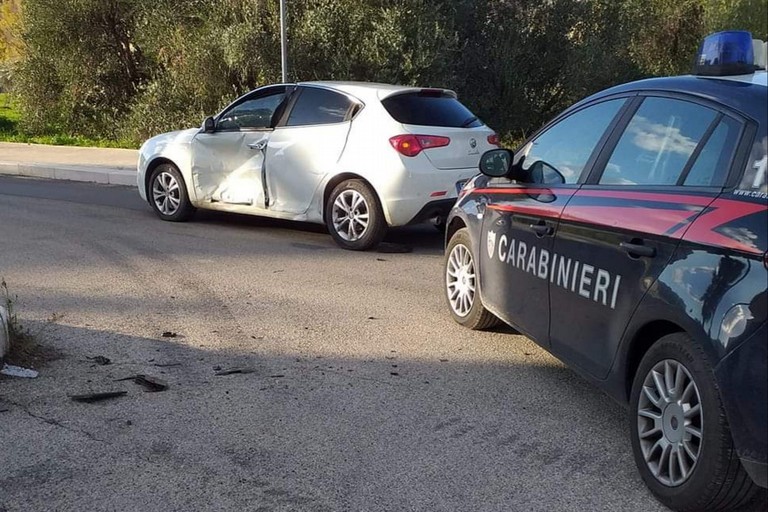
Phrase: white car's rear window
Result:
[430,108]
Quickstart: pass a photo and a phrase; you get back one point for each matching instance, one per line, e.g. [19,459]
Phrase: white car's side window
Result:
[253,113]
[319,106]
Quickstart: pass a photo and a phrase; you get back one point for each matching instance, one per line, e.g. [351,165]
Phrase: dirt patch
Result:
[25,348]
[28,353]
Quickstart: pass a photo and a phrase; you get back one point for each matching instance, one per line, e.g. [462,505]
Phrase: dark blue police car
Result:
[628,237]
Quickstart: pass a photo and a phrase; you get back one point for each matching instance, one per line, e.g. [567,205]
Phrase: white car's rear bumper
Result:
[420,194]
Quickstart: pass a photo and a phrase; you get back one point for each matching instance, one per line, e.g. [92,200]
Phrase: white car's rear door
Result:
[306,148]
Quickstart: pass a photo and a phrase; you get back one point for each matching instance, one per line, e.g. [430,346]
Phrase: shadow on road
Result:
[307,432]
[421,238]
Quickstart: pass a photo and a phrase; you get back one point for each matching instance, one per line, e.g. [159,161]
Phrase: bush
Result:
[133,68]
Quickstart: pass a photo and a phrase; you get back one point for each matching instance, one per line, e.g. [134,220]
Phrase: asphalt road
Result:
[363,396]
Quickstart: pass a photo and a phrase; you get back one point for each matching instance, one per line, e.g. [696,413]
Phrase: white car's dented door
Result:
[227,167]
[307,147]
[228,163]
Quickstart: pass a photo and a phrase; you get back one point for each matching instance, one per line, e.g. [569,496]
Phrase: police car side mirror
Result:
[496,163]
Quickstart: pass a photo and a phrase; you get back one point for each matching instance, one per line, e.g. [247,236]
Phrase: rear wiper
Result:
[469,121]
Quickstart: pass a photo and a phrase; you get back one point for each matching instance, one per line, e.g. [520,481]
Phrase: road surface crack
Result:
[56,423]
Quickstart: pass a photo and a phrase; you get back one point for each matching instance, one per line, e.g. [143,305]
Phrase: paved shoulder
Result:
[100,165]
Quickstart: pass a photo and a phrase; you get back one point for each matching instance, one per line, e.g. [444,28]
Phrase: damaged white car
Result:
[357,157]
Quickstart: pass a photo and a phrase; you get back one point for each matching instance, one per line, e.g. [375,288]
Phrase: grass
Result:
[24,349]
[9,131]
[19,338]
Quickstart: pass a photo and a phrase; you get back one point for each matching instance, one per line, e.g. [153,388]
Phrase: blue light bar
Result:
[725,53]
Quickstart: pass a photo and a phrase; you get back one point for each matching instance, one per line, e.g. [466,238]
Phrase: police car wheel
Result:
[461,289]
[354,217]
[168,194]
[680,436]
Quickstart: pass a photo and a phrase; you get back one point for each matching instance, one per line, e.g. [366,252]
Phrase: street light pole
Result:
[283,42]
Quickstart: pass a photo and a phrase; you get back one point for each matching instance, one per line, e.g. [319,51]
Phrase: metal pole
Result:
[283,42]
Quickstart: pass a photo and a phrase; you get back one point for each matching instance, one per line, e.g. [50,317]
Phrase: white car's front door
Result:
[306,148]
[228,162]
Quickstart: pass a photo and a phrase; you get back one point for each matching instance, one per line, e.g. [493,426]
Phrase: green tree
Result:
[132,68]
[396,41]
[11,42]
[81,66]
[749,15]
[202,54]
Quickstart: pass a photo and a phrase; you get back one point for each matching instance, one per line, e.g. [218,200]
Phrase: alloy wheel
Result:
[350,215]
[670,422]
[166,193]
[460,280]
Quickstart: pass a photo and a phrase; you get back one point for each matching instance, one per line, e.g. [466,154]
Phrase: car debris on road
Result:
[17,371]
[153,384]
[97,397]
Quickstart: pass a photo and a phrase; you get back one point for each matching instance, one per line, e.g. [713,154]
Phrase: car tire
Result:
[681,441]
[167,194]
[461,290]
[354,217]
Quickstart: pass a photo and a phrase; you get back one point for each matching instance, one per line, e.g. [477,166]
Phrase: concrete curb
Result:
[92,174]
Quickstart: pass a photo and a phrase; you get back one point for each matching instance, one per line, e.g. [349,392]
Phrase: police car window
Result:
[711,166]
[559,154]
[319,106]
[253,113]
[658,142]
[754,182]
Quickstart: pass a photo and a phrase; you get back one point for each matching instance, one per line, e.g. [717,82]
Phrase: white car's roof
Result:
[367,91]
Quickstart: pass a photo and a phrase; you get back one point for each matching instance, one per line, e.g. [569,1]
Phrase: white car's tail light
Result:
[493,139]
[412,145]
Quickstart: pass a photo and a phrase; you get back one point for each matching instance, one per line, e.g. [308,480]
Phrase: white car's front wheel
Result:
[354,216]
[168,194]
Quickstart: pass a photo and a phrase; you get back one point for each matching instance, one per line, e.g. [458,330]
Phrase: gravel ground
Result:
[360,393]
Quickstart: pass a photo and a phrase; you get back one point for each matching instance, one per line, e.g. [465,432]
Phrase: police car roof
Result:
[744,93]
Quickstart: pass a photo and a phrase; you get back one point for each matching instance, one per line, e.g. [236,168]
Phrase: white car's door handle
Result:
[261,145]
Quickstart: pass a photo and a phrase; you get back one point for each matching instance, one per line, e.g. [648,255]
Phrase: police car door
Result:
[661,168]
[520,220]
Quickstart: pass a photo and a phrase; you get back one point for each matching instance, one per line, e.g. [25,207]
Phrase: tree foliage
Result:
[132,68]
[11,43]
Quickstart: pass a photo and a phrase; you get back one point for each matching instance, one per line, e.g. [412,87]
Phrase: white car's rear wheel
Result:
[168,194]
[354,217]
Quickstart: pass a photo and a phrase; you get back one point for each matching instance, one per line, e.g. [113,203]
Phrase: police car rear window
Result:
[671,142]
[754,181]
[430,108]
[713,162]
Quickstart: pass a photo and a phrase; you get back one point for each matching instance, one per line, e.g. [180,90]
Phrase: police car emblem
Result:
[491,243]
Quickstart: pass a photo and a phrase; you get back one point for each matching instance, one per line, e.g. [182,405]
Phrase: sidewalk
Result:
[99,165]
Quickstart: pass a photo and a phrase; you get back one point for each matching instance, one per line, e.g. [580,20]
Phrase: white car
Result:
[358,157]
